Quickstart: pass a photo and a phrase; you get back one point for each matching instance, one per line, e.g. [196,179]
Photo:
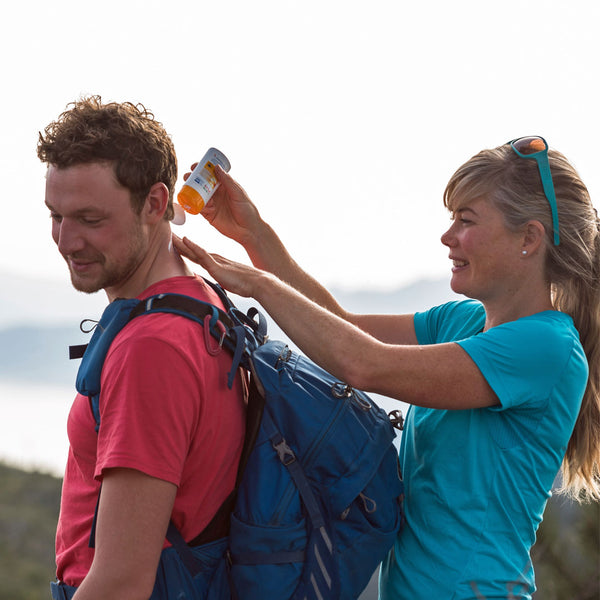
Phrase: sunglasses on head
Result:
[536,147]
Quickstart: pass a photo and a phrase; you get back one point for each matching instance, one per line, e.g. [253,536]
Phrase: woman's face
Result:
[485,254]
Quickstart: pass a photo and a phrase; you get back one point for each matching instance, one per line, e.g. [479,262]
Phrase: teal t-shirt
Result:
[477,481]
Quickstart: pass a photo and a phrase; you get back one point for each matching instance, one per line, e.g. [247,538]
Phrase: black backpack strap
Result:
[186,306]
[77,351]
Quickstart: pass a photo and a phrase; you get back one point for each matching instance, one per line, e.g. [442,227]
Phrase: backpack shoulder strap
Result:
[113,319]
[254,320]
[240,330]
[116,315]
[236,331]
[185,306]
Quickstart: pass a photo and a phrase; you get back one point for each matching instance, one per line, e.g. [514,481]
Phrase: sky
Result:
[343,120]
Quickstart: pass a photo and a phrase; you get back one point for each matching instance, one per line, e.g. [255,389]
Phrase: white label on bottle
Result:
[203,178]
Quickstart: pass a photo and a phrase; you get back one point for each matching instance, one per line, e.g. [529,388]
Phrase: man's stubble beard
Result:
[117,274]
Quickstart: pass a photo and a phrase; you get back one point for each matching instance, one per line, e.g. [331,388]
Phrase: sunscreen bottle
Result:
[202,182]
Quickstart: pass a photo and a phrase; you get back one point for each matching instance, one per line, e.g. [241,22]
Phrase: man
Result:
[171,431]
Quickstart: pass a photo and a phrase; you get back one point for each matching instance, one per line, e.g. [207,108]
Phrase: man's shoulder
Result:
[165,328]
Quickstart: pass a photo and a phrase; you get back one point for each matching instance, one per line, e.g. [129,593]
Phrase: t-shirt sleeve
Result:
[150,408]
[521,360]
[449,322]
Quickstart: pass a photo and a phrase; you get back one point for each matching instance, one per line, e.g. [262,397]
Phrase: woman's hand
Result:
[234,277]
[231,211]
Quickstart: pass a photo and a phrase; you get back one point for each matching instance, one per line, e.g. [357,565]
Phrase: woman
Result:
[498,383]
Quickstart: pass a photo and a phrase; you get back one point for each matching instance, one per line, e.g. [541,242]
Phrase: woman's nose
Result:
[447,237]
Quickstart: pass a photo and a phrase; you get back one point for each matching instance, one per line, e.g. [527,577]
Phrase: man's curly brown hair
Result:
[124,134]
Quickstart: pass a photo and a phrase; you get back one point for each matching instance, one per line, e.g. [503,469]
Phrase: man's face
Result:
[94,226]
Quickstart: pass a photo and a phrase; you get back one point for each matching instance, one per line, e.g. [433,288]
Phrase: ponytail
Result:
[580,298]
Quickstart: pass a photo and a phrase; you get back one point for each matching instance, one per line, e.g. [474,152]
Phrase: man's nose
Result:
[68,238]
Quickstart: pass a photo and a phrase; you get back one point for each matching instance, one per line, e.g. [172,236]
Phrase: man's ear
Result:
[156,203]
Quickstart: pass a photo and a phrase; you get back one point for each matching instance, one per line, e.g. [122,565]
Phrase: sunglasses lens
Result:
[529,145]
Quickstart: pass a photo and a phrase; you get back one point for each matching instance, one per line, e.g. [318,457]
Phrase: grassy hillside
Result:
[566,556]
[29,504]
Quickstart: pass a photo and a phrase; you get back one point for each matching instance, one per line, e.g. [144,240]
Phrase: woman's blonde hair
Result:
[514,185]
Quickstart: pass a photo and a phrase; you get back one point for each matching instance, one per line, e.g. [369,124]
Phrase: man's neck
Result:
[161,262]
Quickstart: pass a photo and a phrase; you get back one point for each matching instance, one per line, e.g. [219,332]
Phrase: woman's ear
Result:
[533,237]
[156,202]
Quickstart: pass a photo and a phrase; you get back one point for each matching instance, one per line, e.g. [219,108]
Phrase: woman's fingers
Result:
[186,175]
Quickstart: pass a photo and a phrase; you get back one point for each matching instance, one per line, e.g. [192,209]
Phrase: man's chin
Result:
[87,287]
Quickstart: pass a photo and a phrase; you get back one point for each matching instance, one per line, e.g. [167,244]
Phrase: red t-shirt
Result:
[165,410]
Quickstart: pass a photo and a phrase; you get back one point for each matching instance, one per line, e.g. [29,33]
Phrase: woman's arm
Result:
[233,214]
[437,376]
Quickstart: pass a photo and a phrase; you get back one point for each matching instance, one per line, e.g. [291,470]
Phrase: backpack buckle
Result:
[396,419]
[284,452]
[341,390]
[213,351]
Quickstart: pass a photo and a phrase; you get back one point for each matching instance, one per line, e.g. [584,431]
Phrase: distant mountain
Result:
[31,354]
[411,298]
[28,301]
[40,319]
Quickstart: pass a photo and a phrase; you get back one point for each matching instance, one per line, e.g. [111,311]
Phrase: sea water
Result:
[33,425]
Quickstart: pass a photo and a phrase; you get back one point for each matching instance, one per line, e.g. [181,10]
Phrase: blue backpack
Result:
[318,499]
